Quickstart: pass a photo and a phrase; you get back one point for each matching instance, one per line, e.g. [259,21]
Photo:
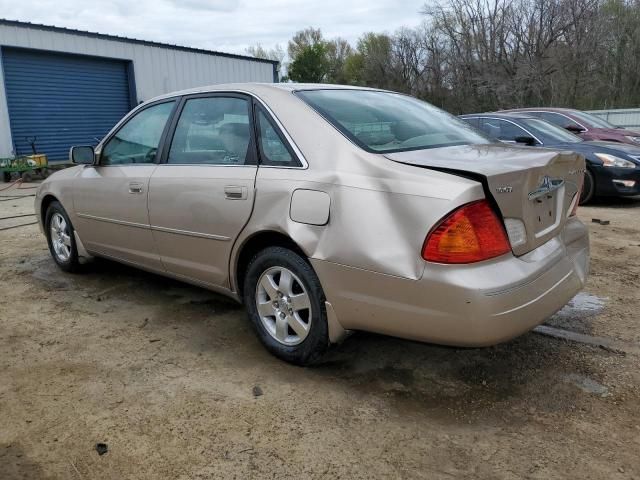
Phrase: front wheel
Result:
[60,237]
[286,305]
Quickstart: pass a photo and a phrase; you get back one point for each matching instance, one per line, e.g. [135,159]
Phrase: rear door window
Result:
[214,131]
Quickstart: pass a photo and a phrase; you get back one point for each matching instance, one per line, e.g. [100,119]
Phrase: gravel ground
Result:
[173,380]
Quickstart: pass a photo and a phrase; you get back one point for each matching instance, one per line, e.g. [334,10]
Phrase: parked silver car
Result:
[327,209]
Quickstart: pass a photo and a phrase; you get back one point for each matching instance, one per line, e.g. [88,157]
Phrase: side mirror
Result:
[530,141]
[82,155]
[574,129]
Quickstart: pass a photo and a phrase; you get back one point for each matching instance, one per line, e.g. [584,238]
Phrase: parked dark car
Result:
[586,125]
[613,169]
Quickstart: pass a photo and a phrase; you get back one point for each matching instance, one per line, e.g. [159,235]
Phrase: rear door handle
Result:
[234,192]
[135,187]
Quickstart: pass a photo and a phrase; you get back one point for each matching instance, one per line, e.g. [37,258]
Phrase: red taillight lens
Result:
[469,234]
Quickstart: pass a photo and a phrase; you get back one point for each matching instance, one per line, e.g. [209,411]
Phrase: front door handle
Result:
[135,187]
[234,192]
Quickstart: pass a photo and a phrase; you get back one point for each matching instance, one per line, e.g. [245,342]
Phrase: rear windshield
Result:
[386,122]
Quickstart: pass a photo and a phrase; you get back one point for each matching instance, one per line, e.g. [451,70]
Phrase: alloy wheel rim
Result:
[60,237]
[284,306]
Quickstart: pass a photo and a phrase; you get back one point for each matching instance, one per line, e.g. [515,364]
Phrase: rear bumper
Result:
[465,305]
[609,180]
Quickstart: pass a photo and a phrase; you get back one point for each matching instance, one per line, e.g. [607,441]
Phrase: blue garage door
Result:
[62,100]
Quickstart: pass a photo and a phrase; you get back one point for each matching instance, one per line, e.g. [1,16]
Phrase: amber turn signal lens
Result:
[469,234]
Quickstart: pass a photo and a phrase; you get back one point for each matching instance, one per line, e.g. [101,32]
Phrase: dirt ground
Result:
[173,380]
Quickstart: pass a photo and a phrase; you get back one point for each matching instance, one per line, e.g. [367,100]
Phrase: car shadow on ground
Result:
[506,382]
[615,202]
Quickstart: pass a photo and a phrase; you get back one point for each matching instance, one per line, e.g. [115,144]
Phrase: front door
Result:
[202,194]
[110,198]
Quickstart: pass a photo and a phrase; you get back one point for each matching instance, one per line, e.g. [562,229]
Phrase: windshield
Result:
[549,133]
[389,122]
[592,121]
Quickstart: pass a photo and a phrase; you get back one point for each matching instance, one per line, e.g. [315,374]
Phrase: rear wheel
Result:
[588,188]
[60,237]
[285,303]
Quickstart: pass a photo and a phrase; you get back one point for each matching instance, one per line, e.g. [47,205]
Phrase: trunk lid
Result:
[535,186]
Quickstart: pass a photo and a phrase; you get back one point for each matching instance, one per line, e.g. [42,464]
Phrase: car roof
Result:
[541,109]
[503,115]
[255,88]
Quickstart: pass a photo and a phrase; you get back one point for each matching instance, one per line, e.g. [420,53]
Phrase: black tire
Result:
[316,342]
[588,188]
[27,177]
[72,264]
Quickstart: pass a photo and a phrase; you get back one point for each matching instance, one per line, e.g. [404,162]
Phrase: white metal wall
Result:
[623,117]
[157,70]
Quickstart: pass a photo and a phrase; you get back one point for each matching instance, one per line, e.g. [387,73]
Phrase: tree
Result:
[376,52]
[480,55]
[303,39]
[310,64]
[338,51]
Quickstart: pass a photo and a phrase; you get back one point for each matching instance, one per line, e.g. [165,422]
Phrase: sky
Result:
[222,25]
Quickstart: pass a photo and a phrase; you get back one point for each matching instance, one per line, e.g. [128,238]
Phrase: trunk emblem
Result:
[505,189]
[547,186]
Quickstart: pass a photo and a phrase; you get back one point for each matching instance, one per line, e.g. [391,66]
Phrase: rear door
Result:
[110,198]
[202,193]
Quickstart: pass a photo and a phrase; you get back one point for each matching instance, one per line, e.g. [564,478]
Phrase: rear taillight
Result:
[469,234]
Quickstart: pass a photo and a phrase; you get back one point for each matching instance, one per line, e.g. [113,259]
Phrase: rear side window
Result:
[384,122]
[273,149]
[501,129]
[137,140]
[214,131]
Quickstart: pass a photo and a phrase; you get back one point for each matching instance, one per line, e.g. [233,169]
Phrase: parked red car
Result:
[586,125]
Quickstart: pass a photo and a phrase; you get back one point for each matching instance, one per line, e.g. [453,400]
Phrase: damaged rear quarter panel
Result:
[378,218]
[380,210]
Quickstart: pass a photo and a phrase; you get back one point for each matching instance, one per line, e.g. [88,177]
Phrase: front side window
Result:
[214,131]
[384,122]
[137,141]
[592,121]
[548,132]
[273,150]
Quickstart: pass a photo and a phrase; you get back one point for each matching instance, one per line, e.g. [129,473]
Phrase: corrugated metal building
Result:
[62,87]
